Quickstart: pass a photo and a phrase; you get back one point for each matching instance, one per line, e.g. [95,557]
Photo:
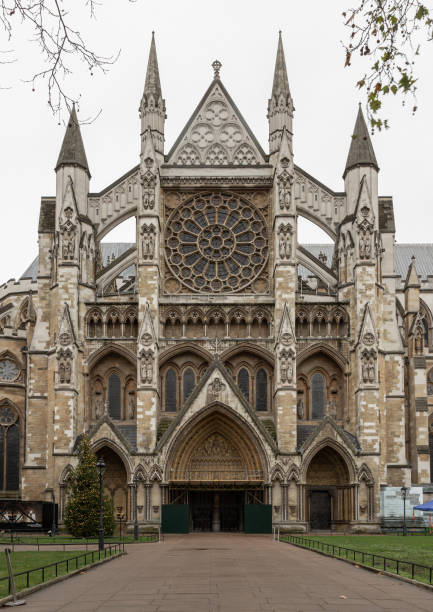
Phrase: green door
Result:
[258,518]
[175,518]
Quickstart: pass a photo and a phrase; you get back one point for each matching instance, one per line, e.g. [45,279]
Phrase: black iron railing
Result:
[38,575]
[415,571]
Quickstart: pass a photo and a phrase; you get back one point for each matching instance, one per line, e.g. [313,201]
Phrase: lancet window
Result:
[9,447]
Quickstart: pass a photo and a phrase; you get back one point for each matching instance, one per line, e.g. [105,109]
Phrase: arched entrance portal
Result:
[115,481]
[329,491]
[216,469]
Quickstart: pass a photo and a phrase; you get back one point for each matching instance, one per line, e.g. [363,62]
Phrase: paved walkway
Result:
[228,573]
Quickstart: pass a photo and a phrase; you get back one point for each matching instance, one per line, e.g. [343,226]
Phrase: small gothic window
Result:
[318,396]
[9,449]
[430,383]
[261,390]
[425,325]
[170,390]
[188,383]
[244,382]
[114,389]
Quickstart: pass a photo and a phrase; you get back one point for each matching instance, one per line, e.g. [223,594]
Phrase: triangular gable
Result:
[364,210]
[216,134]
[66,333]
[412,278]
[367,333]
[105,428]
[147,334]
[329,428]
[69,202]
[218,387]
[286,334]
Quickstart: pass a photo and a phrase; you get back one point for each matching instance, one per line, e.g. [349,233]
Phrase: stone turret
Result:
[152,106]
[361,161]
[280,104]
[72,162]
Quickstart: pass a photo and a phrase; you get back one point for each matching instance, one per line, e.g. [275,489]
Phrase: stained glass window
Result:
[170,390]
[216,243]
[188,383]
[261,390]
[114,391]
[9,449]
[244,382]
[318,396]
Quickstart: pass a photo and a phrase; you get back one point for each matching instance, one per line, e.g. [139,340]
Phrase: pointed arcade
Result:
[361,152]
[72,152]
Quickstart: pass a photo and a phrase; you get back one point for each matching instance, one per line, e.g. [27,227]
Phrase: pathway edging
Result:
[377,571]
[37,587]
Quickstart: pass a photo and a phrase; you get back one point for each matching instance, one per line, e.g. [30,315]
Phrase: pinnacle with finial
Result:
[216,65]
[280,85]
[72,152]
[361,152]
[152,84]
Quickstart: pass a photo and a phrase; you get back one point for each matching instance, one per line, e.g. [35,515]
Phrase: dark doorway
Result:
[217,510]
[320,510]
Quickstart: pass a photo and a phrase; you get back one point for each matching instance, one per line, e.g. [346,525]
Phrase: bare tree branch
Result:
[387,33]
[60,44]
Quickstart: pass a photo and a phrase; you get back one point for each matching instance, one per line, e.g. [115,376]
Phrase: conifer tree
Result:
[82,509]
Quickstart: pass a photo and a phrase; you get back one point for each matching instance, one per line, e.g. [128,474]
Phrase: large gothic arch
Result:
[216,431]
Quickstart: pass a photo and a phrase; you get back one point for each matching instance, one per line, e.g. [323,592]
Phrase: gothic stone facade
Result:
[216,358]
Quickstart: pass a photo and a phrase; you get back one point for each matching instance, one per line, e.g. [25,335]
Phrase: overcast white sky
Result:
[189,36]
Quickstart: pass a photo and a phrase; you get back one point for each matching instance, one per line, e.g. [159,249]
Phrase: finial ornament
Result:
[216,65]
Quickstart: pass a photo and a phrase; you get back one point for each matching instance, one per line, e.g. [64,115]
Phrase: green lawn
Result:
[25,560]
[65,539]
[414,549]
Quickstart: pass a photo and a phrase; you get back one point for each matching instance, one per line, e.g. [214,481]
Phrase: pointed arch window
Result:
[318,395]
[170,390]
[188,383]
[261,390]
[9,448]
[114,396]
[244,382]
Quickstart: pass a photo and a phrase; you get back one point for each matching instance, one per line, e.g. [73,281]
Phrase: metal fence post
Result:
[15,601]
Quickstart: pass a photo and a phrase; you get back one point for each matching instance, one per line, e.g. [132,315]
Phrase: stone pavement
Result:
[228,573]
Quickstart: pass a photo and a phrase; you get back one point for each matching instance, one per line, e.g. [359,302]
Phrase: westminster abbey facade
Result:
[216,362]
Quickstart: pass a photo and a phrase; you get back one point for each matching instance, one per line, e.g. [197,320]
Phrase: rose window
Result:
[216,243]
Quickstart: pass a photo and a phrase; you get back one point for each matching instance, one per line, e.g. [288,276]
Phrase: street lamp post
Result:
[135,508]
[120,516]
[404,494]
[101,469]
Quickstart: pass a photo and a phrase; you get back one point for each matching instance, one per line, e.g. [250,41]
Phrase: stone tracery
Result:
[216,243]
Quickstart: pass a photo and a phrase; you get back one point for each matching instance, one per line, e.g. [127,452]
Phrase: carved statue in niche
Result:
[99,406]
[64,358]
[68,242]
[368,367]
[131,408]
[286,367]
[214,389]
[285,181]
[300,408]
[148,182]
[365,241]
[148,241]
[146,367]
[285,241]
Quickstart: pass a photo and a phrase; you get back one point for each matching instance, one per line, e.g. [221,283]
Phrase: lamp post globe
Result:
[101,469]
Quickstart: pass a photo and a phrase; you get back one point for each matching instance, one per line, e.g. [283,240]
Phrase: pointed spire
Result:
[152,84]
[412,278]
[361,151]
[280,85]
[72,152]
